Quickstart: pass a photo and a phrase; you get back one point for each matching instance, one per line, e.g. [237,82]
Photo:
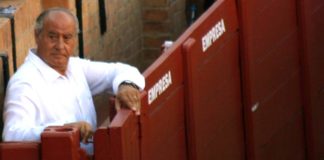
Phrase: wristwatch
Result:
[129,83]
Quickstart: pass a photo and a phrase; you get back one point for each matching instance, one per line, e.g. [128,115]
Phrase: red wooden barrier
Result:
[162,120]
[272,79]
[213,93]
[311,15]
[56,143]
[124,136]
[120,139]
[102,142]
[192,104]
[20,150]
[61,143]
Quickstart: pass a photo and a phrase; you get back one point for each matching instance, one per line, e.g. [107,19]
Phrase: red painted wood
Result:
[124,136]
[215,110]
[271,79]
[163,119]
[61,143]
[268,66]
[20,150]
[102,150]
[311,15]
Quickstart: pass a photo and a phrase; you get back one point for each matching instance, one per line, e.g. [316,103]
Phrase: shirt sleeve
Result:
[19,114]
[102,76]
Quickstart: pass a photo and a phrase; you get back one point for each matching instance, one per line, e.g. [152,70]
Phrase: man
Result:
[53,88]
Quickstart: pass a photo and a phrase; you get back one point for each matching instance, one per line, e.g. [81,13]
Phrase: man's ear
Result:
[36,35]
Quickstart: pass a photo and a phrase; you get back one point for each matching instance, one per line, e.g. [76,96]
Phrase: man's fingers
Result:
[86,132]
[130,97]
[86,136]
[135,105]
[117,104]
[138,111]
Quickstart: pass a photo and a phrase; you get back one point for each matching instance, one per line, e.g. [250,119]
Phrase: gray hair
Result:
[40,19]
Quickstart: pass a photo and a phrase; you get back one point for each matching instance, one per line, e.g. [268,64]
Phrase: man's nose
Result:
[60,43]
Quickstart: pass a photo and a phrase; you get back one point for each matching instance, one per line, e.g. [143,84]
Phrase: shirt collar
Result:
[48,72]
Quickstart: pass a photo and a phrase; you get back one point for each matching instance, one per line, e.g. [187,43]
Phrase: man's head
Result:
[56,36]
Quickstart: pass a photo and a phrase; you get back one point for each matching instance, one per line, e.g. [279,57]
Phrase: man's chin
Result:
[59,66]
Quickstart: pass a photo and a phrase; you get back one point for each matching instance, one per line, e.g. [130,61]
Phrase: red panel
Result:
[61,143]
[124,136]
[162,117]
[20,150]
[102,150]
[214,91]
[102,144]
[272,80]
[311,15]
[118,140]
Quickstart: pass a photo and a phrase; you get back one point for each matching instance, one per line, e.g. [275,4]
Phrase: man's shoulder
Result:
[78,60]
[26,73]
[78,63]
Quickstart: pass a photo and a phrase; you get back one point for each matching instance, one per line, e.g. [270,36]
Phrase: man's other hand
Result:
[85,130]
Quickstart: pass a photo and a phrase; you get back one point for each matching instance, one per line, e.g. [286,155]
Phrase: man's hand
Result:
[85,130]
[129,96]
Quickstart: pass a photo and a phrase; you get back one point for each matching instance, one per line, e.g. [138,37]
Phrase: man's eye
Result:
[68,38]
[52,37]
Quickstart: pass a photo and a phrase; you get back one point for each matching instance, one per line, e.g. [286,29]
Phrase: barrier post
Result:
[124,136]
[61,143]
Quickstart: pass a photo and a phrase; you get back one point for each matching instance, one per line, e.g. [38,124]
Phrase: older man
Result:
[53,88]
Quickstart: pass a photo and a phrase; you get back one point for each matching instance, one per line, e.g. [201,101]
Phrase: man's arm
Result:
[123,80]
[19,114]
[106,77]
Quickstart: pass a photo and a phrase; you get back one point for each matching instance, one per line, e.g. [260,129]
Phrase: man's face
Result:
[57,40]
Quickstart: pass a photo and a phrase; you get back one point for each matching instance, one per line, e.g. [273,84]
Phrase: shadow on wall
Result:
[195,8]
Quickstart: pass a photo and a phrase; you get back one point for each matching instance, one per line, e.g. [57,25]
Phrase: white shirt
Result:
[38,96]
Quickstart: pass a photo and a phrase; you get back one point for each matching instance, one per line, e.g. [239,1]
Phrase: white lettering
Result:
[213,35]
[159,87]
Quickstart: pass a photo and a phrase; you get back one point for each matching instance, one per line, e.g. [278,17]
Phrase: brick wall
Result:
[124,32]
[70,4]
[163,20]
